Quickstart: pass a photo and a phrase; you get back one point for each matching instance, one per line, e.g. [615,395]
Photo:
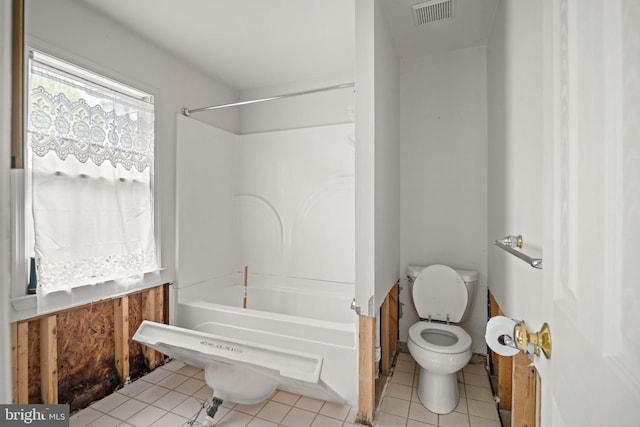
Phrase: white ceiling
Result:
[252,44]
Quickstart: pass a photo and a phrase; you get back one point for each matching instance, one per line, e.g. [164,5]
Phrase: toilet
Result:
[442,297]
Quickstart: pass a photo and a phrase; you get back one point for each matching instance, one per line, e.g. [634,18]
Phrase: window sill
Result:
[26,306]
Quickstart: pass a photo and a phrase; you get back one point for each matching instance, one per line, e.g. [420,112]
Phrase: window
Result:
[90,153]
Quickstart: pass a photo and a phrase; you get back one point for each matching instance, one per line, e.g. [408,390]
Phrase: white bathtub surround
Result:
[281,203]
[332,340]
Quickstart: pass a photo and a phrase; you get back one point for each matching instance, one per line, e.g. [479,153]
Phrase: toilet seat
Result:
[440,293]
[462,344]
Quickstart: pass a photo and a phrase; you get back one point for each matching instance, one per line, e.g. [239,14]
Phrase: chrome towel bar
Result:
[507,245]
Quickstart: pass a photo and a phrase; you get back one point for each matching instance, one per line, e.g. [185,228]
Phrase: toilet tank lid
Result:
[467,275]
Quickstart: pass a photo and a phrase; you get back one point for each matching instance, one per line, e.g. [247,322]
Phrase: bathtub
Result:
[309,319]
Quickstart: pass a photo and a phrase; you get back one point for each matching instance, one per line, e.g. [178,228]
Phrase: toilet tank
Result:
[470,278]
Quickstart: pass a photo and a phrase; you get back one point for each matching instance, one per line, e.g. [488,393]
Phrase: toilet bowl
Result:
[441,351]
[442,295]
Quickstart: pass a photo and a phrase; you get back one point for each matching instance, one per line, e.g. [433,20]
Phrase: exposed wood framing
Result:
[152,309]
[501,364]
[49,359]
[523,402]
[367,370]
[518,383]
[389,329]
[20,362]
[121,336]
[81,354]
[538,400]
[17,68]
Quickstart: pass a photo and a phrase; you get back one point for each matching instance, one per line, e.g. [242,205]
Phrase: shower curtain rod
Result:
[187,112]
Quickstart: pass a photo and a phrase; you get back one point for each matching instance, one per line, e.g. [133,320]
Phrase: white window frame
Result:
[24,306]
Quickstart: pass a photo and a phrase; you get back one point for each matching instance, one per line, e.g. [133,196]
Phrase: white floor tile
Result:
[84,417]
[462,406]
[188,370]
[298,418]
[404,378]
[189,408]
[393,406]
[146,417]
[250,409]
[259,422]
[152,394]
[172,381]
[205,393]
[235,419]
[175,393]
[285,397]
[309,404]
[414,423]
[418,412]
[335,410]
[127,409]
[170,420]
[110,402]
[174,365]
[170,400]
[483,422]
[388,420]
[105,421]
[483,409]
[399,391]
[157,376]
[323,421]
[482,394]
[478,380]
[475,368]
[190,386]
[454,419]
[273,411]
[134,388]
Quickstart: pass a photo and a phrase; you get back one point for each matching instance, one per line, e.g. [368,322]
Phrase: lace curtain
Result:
[92,182]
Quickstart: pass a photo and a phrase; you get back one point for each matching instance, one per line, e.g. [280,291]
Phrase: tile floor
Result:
[173,396]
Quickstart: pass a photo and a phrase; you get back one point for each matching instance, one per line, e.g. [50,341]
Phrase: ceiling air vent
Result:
[432,11]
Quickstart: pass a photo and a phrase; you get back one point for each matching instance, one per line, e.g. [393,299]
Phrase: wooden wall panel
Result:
[524,397]
[389,330]
[86,360]
[502,365]
[367,370]
[35,395]
[121,337]
[21,374]
[49,359]
[70,356]
[137,364]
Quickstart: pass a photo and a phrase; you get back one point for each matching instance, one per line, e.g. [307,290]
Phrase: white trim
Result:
[6,394]
[76,70]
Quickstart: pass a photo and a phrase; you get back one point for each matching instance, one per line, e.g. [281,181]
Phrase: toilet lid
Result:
[462,344]
[439,291]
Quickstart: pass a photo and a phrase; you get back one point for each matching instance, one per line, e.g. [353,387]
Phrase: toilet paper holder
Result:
[530,342]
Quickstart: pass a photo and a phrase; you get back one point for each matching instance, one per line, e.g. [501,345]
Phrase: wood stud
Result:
[46,375]
[121,336]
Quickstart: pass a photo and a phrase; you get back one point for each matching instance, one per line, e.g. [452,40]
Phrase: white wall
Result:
[318,109]
[78,33]
[514,64]
[377,159]
[387,160]
[5,231]
[443,117]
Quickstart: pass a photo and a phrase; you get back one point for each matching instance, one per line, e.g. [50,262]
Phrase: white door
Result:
[592,213]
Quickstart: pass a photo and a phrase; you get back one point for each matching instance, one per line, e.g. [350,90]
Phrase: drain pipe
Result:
[212,408]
